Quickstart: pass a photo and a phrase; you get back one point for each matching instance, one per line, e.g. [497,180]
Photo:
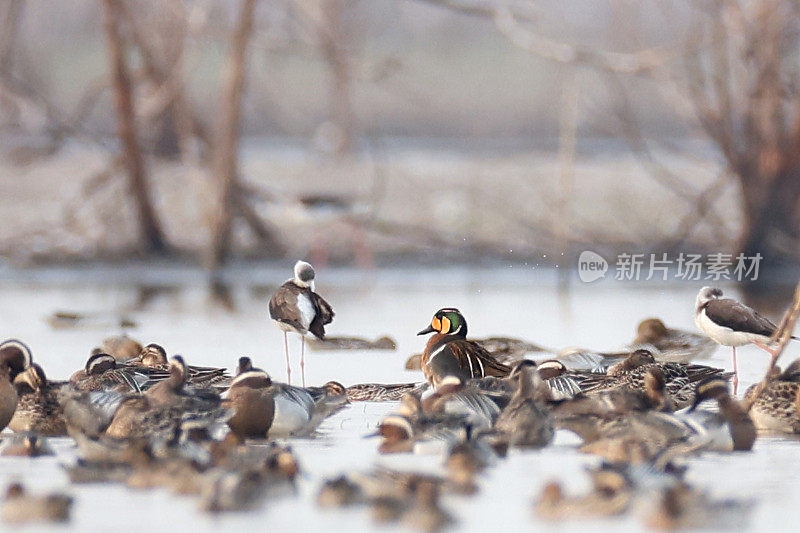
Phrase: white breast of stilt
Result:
[722,334]
[307,311]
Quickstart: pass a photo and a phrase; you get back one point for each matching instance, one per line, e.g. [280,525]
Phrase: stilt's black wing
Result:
[283,305]
[738,317]
[324,315]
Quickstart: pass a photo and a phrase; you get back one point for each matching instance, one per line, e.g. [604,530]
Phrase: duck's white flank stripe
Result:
[480,363]
[437,352]
[469,360]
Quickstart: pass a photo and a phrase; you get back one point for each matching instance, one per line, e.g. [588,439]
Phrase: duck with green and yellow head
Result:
[449,353]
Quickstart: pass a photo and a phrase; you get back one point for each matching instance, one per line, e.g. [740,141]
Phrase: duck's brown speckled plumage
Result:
[776,408]
[525,421]
[102,372]
[630,374]
[152,362]
[378,392]
[38,408]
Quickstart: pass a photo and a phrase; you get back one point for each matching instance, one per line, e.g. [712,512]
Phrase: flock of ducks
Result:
[144,419]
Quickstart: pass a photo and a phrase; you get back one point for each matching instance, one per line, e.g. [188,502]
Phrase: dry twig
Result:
[782,336]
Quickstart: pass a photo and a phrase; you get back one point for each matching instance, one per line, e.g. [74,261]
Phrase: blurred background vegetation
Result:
[353,131]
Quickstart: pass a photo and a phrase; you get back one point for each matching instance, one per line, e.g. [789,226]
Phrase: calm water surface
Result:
[510,301]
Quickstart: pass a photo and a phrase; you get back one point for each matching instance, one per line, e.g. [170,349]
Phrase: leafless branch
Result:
[230,200]
[163,61]
[9,30]
[782,336]
[508,18]
[701,209]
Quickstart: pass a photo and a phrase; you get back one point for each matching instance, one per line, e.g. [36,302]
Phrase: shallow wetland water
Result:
[517,301]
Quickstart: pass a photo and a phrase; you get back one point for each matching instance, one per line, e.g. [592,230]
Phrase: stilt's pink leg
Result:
[735,373]
[771,351]
[303,358]
[288,364]
[774,352]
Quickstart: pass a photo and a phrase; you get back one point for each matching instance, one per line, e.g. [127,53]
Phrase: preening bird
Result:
[295,307]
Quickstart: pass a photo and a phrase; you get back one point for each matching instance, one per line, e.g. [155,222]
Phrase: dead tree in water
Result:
[152,237]
[732,72]
[736,80]
[230,197]
[744,92]
[163,34]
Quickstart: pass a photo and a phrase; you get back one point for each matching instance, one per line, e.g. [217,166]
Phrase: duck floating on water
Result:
[449,353]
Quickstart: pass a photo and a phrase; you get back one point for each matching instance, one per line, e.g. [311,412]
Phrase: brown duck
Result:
[38,408]
[449,353]
[14,358]
[251,397]
[102,372]
[777,407]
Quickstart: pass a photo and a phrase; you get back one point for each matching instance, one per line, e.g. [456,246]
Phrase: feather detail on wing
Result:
[491,366]
[324,315]
[467,360]
[283,305]
[738,317]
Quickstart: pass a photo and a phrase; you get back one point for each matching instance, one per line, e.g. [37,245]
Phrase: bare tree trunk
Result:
[9,28]
[334,47]
[770,210]
[151,235]
[8,36]
[226,142]
[162,63]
